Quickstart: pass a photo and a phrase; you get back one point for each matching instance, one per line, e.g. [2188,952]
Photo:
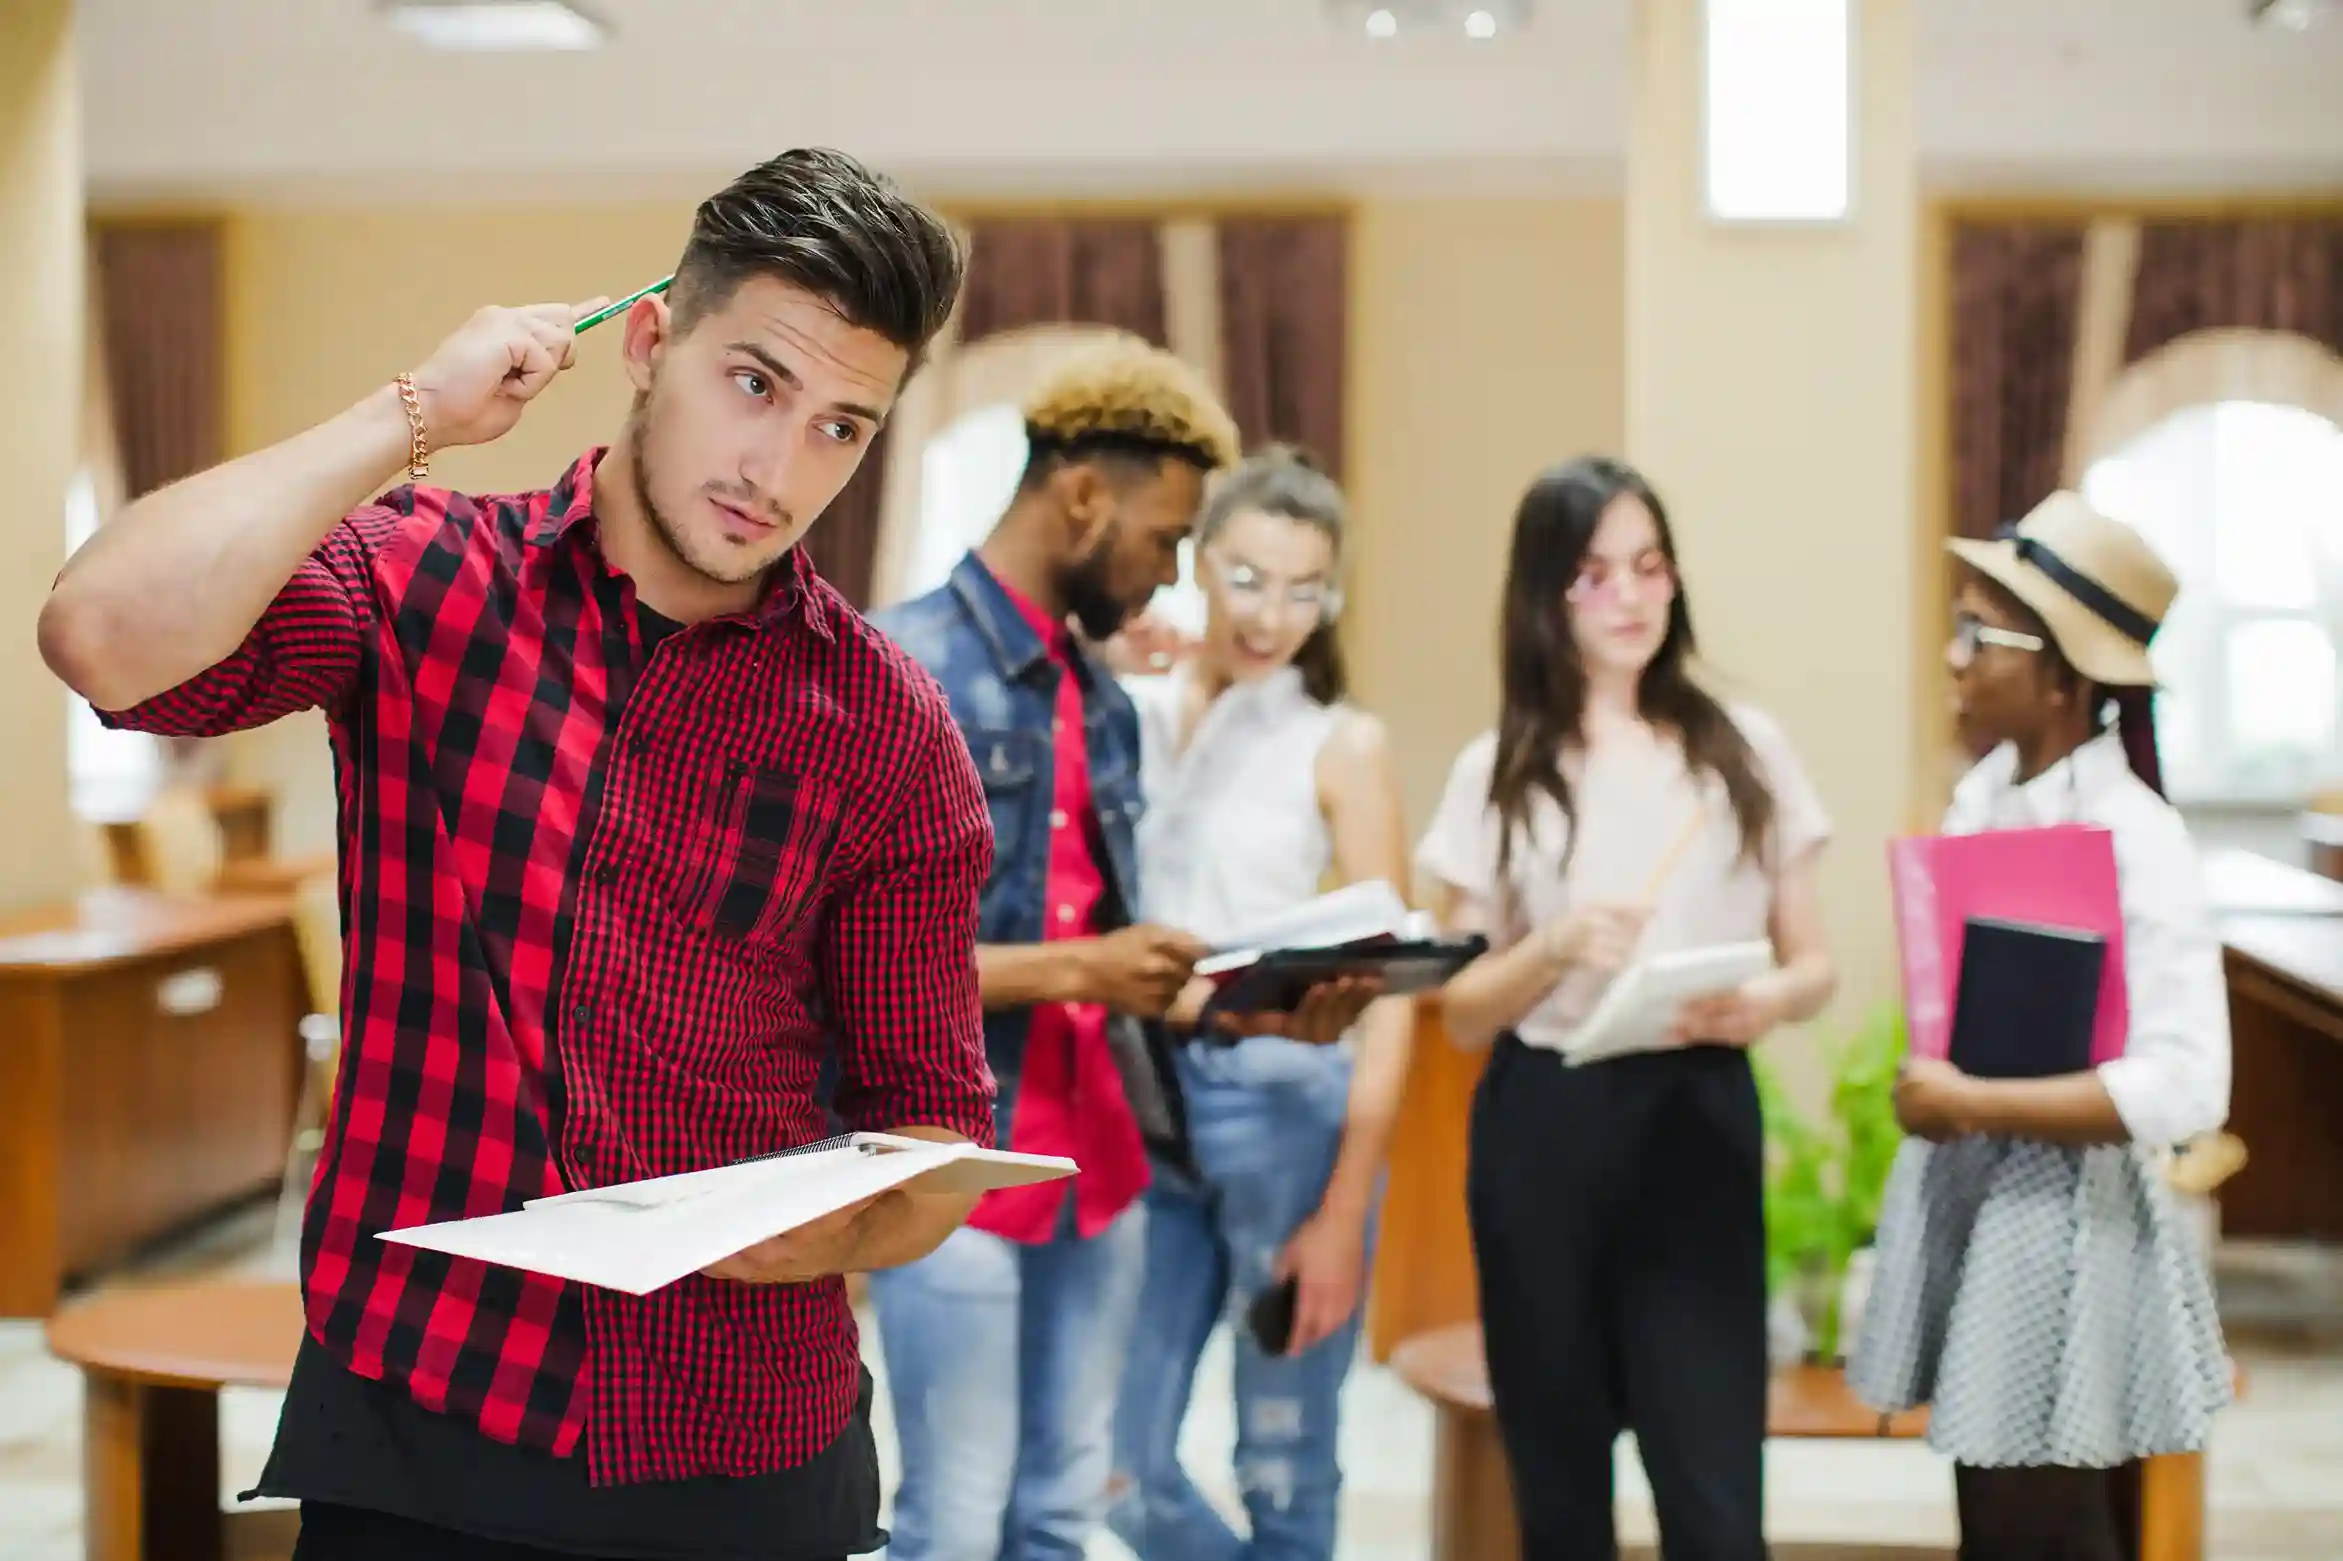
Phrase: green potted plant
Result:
[1824,1180]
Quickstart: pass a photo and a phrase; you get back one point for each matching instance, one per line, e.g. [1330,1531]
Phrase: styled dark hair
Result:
[819,220]
[2135,708]
[1284,480]
[1543,682]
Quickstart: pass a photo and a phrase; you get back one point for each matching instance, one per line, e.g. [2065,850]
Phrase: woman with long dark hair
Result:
[1621,810]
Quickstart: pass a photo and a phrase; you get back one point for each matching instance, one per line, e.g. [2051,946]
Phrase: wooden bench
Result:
[1472,1498]
[153,1361]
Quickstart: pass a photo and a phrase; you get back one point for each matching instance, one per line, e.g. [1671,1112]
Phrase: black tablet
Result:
[1277,982]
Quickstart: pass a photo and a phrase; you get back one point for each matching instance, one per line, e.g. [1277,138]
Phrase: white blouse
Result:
[1633,807]
[2172,1082]
[1233,830]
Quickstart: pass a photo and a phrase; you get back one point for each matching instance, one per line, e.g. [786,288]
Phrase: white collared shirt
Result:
[2172,1082]
[1234,831]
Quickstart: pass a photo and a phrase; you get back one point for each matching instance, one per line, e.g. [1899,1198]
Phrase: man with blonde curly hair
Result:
[1023,1315]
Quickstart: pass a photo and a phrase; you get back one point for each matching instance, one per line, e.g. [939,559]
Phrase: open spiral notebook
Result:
[640,1236]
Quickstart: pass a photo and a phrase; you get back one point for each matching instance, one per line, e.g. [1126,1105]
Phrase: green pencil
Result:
[620,307]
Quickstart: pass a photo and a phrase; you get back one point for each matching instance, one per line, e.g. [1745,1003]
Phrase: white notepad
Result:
[1637,1011]
[639,1236]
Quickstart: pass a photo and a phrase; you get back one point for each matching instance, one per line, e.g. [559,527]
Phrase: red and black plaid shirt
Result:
[607,916]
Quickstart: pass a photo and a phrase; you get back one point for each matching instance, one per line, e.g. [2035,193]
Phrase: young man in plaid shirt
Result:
[644,834]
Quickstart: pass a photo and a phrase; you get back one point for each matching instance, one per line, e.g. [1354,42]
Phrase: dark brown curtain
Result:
[844,544]
[2275,275]
[1284,328]
[160,290]
[1052,270]
[2017,298]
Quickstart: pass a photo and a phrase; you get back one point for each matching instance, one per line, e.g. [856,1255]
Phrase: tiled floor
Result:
[2277,1465]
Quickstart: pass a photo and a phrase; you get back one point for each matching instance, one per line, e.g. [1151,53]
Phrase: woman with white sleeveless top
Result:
[1261,785]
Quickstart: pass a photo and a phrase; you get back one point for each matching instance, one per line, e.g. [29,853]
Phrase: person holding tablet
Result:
[1621,810]
[1261,780]
[2036,1284]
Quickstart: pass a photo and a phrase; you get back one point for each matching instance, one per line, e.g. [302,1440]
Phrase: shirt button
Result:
[637,744]
[582,1013]
[1057,818]
[606,874]
[1065,913]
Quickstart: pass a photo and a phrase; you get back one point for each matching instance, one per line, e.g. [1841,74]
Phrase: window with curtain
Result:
[967,475]
[111,774]
[2244,500]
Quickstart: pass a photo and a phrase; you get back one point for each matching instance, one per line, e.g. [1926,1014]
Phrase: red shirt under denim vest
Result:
[1070,1098]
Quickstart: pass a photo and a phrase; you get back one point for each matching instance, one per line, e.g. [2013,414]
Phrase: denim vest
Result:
[1003,689]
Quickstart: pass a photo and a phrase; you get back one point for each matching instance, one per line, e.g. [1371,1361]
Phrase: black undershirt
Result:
[346,1441]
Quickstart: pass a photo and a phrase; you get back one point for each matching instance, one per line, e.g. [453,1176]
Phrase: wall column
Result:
[41,286]
[1771,399]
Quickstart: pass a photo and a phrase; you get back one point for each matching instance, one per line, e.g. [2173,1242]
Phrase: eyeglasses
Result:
[1969,633]
[1650,568]
[1255,590]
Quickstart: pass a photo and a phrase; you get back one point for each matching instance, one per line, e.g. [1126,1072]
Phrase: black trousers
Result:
[2049,1514]
[1618,1222]
[336,1533]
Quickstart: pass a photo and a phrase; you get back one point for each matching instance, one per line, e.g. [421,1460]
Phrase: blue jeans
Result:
[1001,1360]
[1265,1117]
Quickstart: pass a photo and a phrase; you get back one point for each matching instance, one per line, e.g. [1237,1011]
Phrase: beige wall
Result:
[326,305]
[1487,342]
[41,283]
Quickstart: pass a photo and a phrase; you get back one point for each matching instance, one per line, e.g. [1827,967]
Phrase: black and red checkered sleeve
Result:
[303,654]
[902,957]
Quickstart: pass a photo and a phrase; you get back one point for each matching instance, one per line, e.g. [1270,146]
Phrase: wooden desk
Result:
[149,1057]
[2286,1092]
[153,1362]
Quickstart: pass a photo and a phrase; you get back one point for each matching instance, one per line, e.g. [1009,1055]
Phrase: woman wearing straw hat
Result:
[2036,1284]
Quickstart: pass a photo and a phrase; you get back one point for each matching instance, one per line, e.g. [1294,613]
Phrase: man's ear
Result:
[650,325]
[1086,499]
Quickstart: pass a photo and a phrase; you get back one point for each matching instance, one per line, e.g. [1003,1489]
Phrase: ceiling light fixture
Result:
[1386,19]
[496,26]
[2290,15]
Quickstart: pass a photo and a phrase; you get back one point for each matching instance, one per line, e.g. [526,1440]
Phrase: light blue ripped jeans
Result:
[1265,1117]
[1001,1362]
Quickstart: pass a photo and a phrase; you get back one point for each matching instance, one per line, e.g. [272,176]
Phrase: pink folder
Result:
[2060,876]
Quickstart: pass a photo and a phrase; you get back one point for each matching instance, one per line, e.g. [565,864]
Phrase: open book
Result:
[639,1236]
[1362,930]
[1637,1011]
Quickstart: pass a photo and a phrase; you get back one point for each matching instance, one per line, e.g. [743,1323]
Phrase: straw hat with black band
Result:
[2100,591]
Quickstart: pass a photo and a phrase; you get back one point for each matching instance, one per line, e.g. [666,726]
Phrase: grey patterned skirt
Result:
[2049,1305]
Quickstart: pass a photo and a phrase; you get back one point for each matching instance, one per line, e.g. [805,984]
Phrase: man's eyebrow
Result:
[788,376]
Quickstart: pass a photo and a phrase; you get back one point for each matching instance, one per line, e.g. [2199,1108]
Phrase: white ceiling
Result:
[318,98]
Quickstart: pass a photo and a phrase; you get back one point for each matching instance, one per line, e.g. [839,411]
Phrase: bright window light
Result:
[496,26]
[1779,110]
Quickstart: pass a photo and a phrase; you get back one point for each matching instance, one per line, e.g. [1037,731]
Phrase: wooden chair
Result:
[153,1361]
[317,927]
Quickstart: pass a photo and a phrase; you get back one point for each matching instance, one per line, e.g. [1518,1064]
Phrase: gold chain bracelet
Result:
[418,449]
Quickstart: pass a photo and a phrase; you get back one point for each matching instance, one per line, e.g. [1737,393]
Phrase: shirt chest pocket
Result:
[766,836]
[1018,779]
